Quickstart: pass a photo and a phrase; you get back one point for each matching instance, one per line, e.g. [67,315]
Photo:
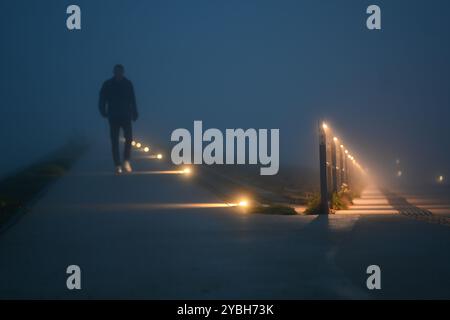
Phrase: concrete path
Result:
[372,201]
[160,236]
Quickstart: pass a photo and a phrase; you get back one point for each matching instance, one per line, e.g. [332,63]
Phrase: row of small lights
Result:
[349,156]
[146,149]
[186,170]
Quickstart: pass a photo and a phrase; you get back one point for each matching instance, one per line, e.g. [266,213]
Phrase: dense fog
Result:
[231,64]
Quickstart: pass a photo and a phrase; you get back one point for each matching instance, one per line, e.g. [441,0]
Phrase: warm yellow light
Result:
[324,126]
[133,143]
[138,145]
[187,170]
[346,151]
[146,149]
[243,203]
[342,146]
[159,156]
[335,139]
[440,178]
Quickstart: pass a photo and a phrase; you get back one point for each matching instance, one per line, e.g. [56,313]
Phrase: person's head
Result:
[118,71]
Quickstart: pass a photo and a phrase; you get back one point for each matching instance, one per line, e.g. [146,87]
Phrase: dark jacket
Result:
[117,100]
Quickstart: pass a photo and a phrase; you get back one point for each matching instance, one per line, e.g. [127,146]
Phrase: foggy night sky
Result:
[235,63]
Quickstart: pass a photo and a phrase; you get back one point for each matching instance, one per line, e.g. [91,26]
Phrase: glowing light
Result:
[243,203]
[324,126]
[440,179]
[154,206]
[159,156]
[146,149]
[138,145]
[346,151]
[187,171]
[399,173]
[158,172]
[342,146]
[133,143]
[335,139]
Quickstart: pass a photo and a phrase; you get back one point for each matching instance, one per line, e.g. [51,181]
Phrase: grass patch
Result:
[340,200]
[343,199]
[274,209]
[18,189]
[313,205]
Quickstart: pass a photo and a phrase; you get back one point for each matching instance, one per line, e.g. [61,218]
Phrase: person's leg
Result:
[114,129]
[128,135]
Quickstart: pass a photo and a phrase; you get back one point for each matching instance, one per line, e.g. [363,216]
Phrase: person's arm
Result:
[102,101]
[134,112]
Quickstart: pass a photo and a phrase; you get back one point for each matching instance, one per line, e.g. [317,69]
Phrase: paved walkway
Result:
[160,236]
[432,206]
[372,201]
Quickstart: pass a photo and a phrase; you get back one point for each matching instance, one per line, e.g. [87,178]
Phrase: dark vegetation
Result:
[313,204]
[278,209]
[22,187]
[340,200]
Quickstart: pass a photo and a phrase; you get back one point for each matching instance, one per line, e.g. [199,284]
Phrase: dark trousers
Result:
[114,130]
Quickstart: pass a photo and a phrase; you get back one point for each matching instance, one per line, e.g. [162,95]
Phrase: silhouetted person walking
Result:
[118,103]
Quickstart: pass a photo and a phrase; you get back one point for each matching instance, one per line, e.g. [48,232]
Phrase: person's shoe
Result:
[126,166]
[118,169]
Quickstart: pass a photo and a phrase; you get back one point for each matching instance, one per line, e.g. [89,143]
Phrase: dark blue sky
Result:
[247,63]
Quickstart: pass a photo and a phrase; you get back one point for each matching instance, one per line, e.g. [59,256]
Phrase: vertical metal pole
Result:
[346,169]
[350,174]
[323,170]
[333,166]
[341,167]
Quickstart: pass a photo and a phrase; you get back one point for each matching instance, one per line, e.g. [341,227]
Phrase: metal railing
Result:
[339,168]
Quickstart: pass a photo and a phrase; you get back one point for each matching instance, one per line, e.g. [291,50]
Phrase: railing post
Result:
[323,169]
[350,174]
[341,166]
[346,169]
[333,166]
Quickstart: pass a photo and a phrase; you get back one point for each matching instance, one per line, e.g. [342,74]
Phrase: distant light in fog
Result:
[440,179]
[399,173]
[397,161]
